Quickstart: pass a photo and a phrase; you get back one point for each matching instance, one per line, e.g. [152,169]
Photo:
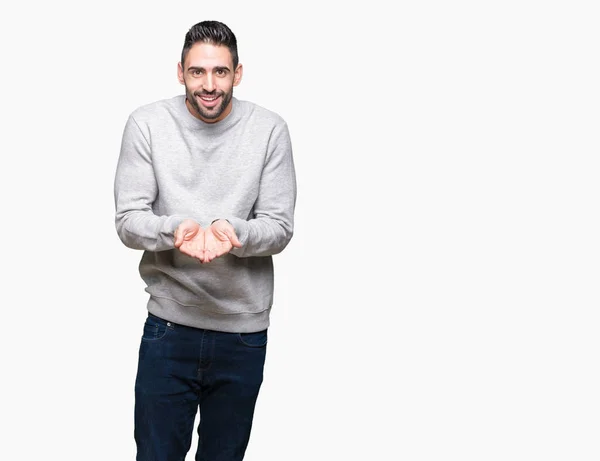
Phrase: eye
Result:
[220,72]
[196,72]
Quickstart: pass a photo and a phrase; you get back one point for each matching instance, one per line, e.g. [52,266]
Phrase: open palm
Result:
[189,238]
[216,243]
[206,244]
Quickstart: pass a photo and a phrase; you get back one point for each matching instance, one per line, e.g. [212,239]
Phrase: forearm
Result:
[143,230]
[261,236]
[271,225]
[135,192]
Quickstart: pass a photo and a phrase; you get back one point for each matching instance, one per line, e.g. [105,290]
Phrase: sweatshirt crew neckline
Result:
[217,127]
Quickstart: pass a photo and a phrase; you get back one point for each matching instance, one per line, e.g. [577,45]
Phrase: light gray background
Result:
[440,297]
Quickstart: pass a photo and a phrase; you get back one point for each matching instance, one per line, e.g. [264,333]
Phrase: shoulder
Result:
[156,110]
[260,114]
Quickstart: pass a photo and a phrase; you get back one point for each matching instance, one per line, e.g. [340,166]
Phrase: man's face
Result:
[209,78]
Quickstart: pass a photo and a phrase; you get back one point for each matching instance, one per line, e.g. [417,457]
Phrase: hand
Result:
[219,238]
[189,238]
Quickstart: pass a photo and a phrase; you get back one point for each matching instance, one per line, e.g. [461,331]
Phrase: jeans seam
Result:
[157,325]
[254,346]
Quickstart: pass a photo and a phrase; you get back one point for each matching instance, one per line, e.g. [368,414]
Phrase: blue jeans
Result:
[181,369]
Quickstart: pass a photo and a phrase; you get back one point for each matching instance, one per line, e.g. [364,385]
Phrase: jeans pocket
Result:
[154,329]
[257,339]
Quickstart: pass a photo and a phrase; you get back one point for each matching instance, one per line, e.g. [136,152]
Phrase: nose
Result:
[209,83]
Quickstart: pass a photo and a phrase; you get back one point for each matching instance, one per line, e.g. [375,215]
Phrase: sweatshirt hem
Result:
[195,316]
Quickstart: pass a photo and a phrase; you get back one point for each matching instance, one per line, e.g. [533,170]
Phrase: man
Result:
[205,185]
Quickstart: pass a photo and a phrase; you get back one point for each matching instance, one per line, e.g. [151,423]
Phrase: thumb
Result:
[182,231]
[178,238]
[233,239]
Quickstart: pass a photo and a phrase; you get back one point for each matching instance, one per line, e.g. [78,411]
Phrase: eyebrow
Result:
[225,68]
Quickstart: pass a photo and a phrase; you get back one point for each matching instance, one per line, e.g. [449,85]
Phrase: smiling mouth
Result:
[209,101]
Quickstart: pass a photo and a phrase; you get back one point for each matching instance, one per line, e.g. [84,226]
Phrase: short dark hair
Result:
[214,33]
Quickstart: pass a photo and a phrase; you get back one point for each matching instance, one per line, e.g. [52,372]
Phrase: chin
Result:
[212,115]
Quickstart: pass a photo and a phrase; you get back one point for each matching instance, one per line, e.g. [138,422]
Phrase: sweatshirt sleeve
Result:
[135,190]
[271,227]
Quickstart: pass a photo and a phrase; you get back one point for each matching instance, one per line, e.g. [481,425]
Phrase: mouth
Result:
[209,100]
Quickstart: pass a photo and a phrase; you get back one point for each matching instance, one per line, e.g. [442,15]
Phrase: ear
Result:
[180,74]
[237,75]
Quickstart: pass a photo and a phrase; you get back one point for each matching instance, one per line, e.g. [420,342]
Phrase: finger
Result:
[209,254]
[178,239]
[234,240]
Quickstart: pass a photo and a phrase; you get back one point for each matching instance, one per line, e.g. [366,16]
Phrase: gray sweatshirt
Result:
[173,166]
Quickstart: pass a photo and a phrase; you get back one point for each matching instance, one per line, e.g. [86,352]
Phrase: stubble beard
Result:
[213,113]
